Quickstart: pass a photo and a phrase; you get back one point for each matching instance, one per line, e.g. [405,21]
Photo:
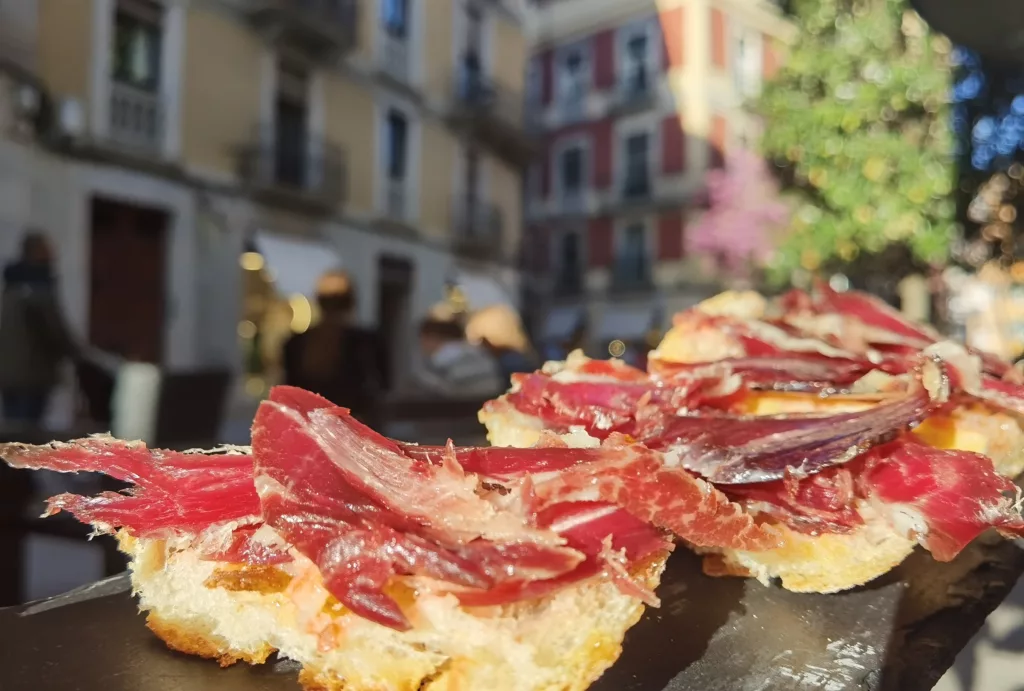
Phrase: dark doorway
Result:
[394,277]
[128,251]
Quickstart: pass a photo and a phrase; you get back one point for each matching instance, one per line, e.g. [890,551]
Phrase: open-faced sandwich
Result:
[815,440]
[381,565]
[850,433]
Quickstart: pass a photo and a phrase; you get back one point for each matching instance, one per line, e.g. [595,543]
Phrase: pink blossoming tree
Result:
[744,218]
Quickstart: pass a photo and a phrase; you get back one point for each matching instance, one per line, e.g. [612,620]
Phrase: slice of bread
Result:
[234,613]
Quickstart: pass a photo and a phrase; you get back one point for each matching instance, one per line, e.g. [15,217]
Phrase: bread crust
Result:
[195,638]
[565,641]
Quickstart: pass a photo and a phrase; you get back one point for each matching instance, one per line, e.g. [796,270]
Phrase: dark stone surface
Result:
[901,632]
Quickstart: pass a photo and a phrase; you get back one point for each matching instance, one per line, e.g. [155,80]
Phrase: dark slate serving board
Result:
[901,633]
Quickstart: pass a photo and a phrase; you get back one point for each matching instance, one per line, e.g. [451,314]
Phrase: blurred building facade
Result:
[174,140]
[636,100]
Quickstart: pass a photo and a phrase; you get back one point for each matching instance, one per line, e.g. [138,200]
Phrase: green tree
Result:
[859,120]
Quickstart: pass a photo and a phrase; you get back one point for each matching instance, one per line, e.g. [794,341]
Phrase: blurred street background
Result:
[409,201]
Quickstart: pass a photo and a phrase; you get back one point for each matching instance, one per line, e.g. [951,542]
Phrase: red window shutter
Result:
[673,145]
[718,58]
[716,155]
[670,235]
[602,139]
[604,59]
[599,250]
[672,34]
[770,57]
[547,76]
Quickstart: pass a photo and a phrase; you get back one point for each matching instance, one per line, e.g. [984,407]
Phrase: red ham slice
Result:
[173,492]
[603,398]
[586,526]
[637,480]
[821,503]
[943,498]
[743,450]
[360,509]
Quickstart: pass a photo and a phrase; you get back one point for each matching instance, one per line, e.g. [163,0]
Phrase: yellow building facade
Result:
[384,137]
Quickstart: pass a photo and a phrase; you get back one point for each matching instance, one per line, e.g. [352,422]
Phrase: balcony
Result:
[635,95]
[136,118]
[322,29]
[632,275]
[478,229]
[494,114]
[395,59]
[637,187]
[312,175]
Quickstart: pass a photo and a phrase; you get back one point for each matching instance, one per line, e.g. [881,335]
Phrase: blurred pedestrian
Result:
[499,329]
[335,358]
[34,338]
[456,368]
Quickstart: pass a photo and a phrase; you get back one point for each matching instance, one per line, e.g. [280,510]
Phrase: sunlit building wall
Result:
[184,139]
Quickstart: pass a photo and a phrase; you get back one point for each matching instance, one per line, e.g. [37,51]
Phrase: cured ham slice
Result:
[858,320]
[637,480]
[740,450]
[943,498]
[622,474]
[821,503]
[606,534]
[603,407]
[172,493]
[362,511]
[784,371]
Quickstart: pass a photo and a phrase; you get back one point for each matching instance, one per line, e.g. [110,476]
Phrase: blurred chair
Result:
[190,409]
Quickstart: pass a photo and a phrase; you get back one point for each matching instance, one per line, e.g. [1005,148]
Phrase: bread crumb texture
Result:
[559,643]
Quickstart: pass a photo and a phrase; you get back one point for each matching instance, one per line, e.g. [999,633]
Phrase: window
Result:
[632,265]
[635,67]
[290,124]
[136,47]
[396,144]
[637,182]
[570,264]
[747,65]
[572,78]
[572,171]
[395,17]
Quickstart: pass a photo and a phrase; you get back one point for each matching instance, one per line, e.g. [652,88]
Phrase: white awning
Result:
[296,264]
[560,322]
[482,291]
[626,323]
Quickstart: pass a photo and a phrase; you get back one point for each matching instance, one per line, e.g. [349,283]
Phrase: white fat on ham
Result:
[442,496]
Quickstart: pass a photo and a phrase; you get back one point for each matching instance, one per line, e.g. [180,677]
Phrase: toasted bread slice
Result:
[233,613]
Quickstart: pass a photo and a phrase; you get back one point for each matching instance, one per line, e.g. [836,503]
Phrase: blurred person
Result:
[454,366]
[34,338]
[336,359]
[499,329]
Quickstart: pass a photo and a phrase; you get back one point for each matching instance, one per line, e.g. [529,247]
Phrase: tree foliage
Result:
[859,119]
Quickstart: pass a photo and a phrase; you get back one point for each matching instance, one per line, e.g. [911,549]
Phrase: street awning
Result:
[560,323]
[481,290]
[626,323]
[296,264]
